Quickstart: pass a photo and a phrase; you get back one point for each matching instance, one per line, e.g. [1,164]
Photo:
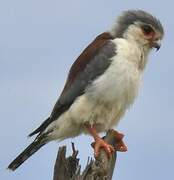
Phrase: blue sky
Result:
[39,40]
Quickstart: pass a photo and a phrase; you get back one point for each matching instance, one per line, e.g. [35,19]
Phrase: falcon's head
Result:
[140,27]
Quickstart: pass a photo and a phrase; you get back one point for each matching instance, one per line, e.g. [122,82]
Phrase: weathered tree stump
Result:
[99,169]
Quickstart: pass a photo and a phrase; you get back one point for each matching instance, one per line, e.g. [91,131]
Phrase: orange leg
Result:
[100,143]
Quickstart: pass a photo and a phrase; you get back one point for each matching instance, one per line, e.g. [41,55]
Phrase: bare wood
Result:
[99,169]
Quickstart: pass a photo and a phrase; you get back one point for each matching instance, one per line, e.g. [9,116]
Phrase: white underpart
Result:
[107,99]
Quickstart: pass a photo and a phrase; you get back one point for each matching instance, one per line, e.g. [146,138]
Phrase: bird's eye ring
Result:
[147,29]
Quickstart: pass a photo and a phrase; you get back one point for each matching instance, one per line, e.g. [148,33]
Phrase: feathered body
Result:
[102,83]
[107,98]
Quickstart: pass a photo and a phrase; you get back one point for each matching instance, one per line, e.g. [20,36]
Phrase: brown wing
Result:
[86,56]
[93,61]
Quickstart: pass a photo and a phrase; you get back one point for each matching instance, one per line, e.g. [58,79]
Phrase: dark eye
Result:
[147,29]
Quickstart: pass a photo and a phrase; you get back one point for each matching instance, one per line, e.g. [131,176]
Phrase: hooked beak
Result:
[156,44]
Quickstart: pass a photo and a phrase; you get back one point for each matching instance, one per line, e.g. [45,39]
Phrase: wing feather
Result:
[93,61]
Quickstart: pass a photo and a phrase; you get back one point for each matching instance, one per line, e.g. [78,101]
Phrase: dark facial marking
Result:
[147,29]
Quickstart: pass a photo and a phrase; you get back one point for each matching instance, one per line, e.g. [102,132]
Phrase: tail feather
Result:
[30,150]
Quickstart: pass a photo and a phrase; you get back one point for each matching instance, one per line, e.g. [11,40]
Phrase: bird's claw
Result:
[100,143]
[109,149]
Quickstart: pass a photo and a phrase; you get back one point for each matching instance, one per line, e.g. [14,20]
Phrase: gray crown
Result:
[132,16]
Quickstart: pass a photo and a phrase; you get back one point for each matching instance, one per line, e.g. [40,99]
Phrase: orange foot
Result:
[100,143]
[120,145]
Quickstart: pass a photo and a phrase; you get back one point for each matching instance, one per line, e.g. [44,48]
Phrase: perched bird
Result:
[102,84]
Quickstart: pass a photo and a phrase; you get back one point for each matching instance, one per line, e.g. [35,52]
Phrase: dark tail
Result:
[30,150]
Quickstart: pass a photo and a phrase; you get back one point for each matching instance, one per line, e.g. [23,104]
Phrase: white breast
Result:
[106,100]
[120,83]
